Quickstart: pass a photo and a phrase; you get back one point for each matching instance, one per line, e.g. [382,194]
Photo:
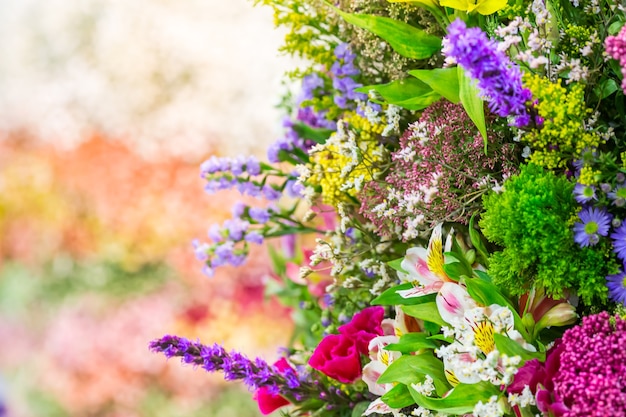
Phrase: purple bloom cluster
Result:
[591,377]
[228,173]
[236,366]
[342,71]
[279,379]
[291,140]
[498,78]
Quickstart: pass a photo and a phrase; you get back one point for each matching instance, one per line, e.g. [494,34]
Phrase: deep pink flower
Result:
[364,326]
[337,356]
[269,402]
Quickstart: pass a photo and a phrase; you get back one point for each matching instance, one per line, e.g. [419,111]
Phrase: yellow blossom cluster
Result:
[563,134]
[348,160]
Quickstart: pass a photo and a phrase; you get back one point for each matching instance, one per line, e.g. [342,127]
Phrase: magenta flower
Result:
[616,48]
[364,326]
[591,380]
[337,357]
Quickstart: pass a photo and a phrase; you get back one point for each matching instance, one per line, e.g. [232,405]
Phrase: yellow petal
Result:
[487,7]
[456,4]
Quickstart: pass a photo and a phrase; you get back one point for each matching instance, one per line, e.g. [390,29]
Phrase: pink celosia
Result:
[616,48]
[590,377]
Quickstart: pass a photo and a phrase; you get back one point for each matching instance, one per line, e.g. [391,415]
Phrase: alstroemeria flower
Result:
[381,359]
[484,7]
[425,266]
[473,356]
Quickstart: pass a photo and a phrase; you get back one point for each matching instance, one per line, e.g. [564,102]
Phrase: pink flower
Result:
[337,356]
[364,326]
[267,401]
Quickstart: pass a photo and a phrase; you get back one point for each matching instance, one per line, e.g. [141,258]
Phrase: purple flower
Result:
[617,287]
[498,78]
[271,193]
[236,228]
[584,193]
[594,223]
[259,214]
[619,241]
[618,195]
[238,209]
[254,237]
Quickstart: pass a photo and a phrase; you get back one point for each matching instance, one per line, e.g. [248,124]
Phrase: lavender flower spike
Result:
[499,80]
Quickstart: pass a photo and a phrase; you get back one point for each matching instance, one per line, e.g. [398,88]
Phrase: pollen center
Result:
[483,336]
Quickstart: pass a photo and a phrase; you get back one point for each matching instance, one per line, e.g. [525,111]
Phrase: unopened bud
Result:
[560,315]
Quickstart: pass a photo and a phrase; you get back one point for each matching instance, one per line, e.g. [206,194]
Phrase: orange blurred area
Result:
[96,261]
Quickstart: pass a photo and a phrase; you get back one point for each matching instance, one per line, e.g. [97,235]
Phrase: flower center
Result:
[621,192]
[591,228]
[588,192]
[624,282]
[483,336]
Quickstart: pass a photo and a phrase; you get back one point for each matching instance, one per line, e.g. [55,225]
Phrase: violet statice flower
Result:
[341,73]
[499,79]
[595,222]
[619,241]
[591,375]
[616,284]
[259,214]
[254,237]
[584,193]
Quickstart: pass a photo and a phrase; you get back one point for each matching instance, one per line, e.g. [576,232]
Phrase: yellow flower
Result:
[483,7]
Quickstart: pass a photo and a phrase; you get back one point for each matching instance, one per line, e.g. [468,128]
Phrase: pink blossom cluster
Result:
[438,174]
[616,48]
[591,380]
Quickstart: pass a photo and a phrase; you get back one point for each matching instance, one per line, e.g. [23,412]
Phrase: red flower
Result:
[337,356]
[364,326]
[268,402]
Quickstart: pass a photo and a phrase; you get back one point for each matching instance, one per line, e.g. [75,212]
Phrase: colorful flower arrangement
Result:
[451,182]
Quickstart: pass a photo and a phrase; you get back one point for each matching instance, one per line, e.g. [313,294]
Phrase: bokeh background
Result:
[107,109]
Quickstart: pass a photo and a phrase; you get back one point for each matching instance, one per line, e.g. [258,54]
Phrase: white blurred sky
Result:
[188,76]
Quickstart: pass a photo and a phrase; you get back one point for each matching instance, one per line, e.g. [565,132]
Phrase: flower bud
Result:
[560,315]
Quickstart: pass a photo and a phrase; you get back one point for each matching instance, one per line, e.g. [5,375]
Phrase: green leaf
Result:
[512,348]
[425,311]
[412,342]
[478,242]
[455,270]
[318,135]
[397,265]
[472,103]
[461,400]
[605,88]
[391,297]
[409,369]
[398,397]
[409,93]
[360,408]
[405,39]
[444,81]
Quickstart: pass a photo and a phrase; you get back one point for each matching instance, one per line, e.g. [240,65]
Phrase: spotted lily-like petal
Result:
[381,359]
[425,267]
[379,407]
[453,301]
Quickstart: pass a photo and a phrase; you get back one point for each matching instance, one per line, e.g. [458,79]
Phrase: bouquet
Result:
[447,206]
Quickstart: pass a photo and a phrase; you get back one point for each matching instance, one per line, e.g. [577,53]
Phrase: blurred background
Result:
[107,109]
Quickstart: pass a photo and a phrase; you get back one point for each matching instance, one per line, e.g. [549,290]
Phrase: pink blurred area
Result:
[96,261]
